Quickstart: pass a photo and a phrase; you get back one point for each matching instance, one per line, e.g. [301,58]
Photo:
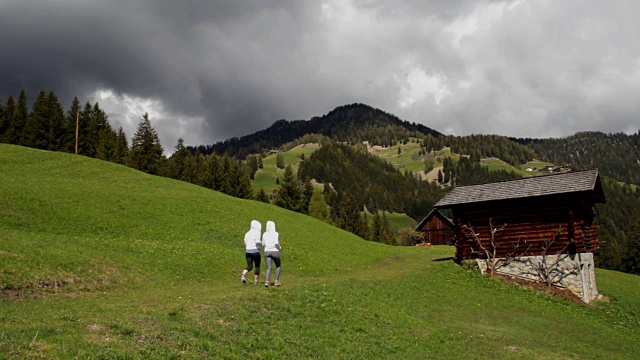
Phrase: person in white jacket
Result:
[252,250]
[271,242]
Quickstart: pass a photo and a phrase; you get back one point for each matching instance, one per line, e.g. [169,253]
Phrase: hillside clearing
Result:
[155,265]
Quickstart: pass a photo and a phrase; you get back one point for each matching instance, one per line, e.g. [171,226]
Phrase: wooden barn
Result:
[437,228]
[539,228]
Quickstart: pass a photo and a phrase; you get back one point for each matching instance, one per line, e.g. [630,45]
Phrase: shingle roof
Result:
[570,182]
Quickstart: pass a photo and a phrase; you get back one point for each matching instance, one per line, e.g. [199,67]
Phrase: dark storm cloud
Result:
[221,60]
[209,70]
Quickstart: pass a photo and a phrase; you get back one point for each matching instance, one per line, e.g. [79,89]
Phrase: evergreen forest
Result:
[342,182]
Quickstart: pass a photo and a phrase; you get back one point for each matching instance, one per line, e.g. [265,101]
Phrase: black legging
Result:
[251,259]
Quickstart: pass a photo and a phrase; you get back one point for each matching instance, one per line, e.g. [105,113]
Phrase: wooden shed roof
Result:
[433,213]
[565,183]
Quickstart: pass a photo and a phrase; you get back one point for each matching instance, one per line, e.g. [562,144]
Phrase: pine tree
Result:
[69,138]
[219,172]
[34,133]
[196,170]
[631,258]
[350,214]
[262,196]
[176,163]
[99,121]
[386,235]
[252,163]
[107,148]
[318,208]
[209,171]
[374,228]
[307,192]
[5,120]
[362,228]
[224,175]
[290,193]
[10,134]
[328,193]
[610,254]
[122,147]
[20,115]
[55,126]
[146,152]
[189,171]
[243,188]
[86,133]
[279,161]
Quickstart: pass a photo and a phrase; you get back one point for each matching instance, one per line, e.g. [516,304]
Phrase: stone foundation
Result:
[571,271]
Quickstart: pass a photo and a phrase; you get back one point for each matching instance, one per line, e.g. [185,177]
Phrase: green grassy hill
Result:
[266,177]
[101,261]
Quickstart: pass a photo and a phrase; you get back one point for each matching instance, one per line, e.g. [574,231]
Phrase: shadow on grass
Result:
[443,259]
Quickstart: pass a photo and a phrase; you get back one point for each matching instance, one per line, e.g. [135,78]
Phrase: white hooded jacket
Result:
[270,238]
[252,237]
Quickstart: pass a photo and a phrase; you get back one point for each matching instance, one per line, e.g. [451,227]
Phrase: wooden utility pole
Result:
[77,118]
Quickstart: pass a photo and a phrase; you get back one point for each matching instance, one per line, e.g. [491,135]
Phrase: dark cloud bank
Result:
[215,69]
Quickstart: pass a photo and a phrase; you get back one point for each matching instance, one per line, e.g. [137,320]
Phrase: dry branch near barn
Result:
[547,224]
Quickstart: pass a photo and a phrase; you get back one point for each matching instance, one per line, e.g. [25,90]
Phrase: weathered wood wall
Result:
[437,232]
[529,228]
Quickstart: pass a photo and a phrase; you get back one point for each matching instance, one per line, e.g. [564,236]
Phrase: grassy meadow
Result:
[266,177]
[101,261]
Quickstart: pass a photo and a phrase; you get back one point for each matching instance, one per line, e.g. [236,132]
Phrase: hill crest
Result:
[348,123]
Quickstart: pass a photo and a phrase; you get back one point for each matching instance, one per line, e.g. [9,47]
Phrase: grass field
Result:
[398,221]
[266,177]
[101,261]
[497,164]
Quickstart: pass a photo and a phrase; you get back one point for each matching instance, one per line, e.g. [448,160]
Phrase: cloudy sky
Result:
[209,70]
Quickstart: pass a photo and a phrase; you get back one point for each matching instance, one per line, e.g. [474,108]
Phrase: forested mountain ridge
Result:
[349,123]
[616,155]
[373,182]
[459,160]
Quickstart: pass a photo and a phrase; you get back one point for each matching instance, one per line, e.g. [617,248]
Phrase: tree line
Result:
[48,126]
[372,182]
[619,227]
[616,155]
[352,124]
[355,182]
[337,208]
[466,171]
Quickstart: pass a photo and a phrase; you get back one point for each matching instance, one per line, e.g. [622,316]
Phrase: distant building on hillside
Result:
[551,168]
[540,229]
[437,228]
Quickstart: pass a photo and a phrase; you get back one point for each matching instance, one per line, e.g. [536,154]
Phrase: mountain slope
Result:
[101,261]
[86,214]
[349,123]
[616,155]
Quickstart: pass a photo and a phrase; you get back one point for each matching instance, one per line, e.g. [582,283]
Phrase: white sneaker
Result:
[266,284]
[278,283]
[244,279]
